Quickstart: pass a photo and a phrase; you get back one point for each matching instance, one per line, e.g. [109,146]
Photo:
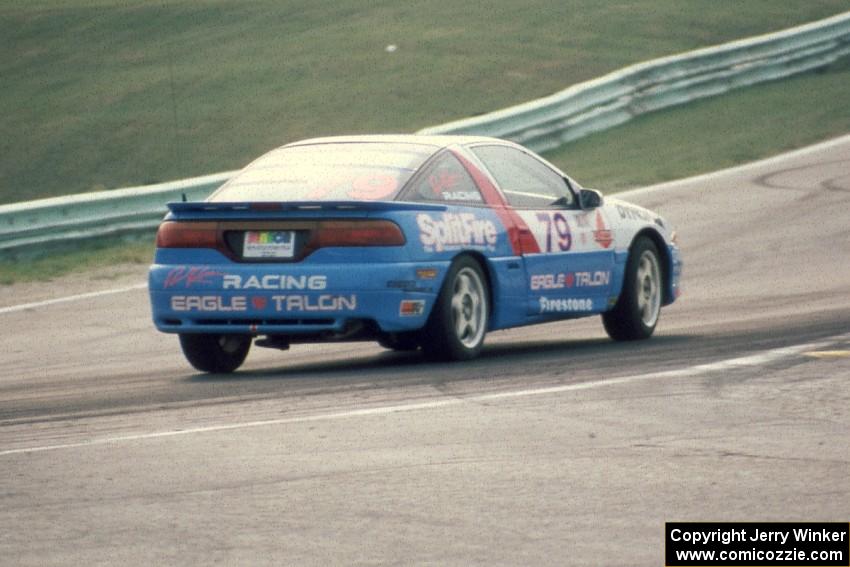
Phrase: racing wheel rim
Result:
[648,288]
[469,307]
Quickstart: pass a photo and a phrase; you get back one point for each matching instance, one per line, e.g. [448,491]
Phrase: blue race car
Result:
[413,241]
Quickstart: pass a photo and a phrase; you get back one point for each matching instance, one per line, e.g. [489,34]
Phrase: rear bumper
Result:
[674,289]
[293,300]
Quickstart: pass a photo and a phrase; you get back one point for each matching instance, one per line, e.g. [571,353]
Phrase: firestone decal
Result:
[565,305]
[452,231]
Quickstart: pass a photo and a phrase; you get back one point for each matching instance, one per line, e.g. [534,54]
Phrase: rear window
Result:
[327,172]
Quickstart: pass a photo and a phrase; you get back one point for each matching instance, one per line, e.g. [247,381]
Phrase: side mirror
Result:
[590,199]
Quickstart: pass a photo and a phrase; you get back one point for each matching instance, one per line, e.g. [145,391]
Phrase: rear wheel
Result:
[215,353]
[636,313]
[458,322]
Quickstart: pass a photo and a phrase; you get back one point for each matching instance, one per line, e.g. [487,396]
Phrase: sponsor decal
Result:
[199,275]
[565,305]
[274,282]
[208,303]
[592,279]
[570,279]
[411,307]
[265,237]
[443,181]
[268,244]
[452,231]
[633,213]
[602,235]
[324,302]
[217,303]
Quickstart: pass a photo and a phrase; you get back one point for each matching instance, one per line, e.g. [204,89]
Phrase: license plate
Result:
[268,244]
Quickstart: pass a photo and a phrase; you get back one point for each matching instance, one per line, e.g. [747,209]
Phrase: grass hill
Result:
[102,93]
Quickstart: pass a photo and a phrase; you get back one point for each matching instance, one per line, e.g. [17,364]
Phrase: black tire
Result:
[458,322]
[215,353]
[400,341]
[636,313]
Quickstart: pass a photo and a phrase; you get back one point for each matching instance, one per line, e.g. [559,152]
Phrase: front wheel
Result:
[458,322]
[636,313]
[215,353]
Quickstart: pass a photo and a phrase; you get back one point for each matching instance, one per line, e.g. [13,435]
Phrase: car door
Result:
[570,273]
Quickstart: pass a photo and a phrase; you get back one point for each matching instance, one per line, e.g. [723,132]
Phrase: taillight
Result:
[174,234]
[358,233]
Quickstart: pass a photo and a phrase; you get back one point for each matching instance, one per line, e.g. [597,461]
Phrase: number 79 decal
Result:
[556,223]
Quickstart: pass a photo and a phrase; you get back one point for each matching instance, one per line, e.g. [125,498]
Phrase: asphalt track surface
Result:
[557,446]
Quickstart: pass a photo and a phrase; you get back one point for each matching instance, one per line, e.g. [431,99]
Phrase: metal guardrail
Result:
[35,227]
[544,124]
[613,99]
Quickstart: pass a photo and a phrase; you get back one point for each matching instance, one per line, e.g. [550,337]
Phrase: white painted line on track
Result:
[758,359]
[46,302]
[624,194]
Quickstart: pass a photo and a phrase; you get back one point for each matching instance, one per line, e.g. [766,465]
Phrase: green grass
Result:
[713,133]
[102,94]
[90,258]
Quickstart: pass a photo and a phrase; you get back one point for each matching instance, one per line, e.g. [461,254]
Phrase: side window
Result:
[525,181]
[445,180]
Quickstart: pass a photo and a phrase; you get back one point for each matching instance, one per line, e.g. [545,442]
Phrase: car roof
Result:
[438,141]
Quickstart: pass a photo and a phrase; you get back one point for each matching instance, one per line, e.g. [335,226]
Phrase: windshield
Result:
[327,172]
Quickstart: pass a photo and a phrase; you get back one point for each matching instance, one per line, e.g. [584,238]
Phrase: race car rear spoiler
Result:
[275,206]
